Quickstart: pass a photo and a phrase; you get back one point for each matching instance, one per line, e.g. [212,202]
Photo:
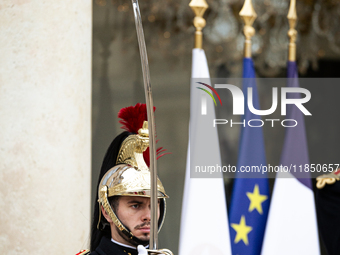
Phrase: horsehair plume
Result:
[146,154]
[132,119]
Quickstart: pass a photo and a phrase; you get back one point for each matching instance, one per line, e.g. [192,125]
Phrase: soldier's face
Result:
[135,213]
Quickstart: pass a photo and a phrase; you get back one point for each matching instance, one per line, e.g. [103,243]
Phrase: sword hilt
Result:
[160,251]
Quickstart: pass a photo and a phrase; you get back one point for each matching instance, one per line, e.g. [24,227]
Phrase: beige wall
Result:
[45,118]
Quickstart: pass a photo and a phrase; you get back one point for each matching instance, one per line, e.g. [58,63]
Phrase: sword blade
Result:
[151,124]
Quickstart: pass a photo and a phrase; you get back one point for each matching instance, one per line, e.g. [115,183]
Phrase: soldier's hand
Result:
[142,250]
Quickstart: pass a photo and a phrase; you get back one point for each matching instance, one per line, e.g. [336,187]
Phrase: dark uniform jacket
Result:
[328,210]
[107,247]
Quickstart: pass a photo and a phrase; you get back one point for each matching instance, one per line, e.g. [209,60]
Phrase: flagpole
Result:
[199,7]
[248,16]
[292,33]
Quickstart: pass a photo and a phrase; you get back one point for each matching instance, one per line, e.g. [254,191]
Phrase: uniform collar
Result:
[121,244]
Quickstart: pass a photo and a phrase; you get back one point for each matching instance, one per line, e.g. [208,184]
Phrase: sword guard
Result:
[160,251]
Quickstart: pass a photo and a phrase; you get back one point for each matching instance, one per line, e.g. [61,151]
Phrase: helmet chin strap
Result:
[128,236]
[103,199]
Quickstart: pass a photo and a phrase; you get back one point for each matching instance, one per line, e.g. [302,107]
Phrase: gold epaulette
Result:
[83,252]
[328,179]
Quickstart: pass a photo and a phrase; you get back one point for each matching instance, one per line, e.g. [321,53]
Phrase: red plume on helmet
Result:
[132,119]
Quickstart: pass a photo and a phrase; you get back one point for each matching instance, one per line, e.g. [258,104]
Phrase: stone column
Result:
[45,126]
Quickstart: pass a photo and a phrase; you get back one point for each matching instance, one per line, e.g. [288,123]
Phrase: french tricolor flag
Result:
[292,225]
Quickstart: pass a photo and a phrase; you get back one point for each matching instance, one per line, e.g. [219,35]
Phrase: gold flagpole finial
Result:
[248,16]
[199,7]
[292,33]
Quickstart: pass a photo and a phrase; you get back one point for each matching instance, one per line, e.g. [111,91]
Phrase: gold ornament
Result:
[328,179]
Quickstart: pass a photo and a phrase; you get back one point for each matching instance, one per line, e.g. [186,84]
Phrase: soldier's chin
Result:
[133,242]
[144,237]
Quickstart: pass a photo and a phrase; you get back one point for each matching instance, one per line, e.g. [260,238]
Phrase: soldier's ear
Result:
[107,217]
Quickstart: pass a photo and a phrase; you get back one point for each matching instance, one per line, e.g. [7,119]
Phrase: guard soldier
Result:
[121,220]
[328,210]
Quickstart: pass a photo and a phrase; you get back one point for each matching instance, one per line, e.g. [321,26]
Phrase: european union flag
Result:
[250,198]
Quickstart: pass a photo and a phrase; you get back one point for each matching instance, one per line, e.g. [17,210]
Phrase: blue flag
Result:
[295,149]
[250,198]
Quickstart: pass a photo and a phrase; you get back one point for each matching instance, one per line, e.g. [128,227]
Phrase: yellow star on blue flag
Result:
[242,231]
[256,199]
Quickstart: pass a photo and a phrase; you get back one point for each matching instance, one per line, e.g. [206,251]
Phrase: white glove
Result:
[142,250]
